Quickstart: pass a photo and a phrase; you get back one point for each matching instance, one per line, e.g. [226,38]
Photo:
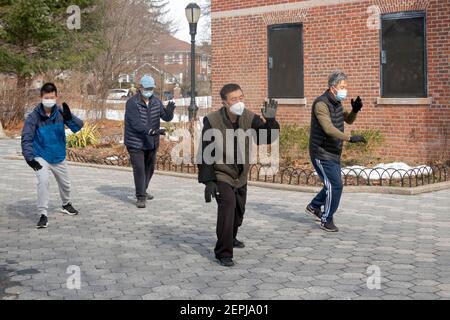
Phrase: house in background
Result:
[169,63]
[396,54]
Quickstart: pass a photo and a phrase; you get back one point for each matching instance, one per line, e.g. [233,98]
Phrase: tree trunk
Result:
[103,105]
[20,102]
[102,93]
[2,133]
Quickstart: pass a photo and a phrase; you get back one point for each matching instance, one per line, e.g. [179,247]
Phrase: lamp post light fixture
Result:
[193,13]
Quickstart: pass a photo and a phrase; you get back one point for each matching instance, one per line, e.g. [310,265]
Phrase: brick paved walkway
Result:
[165,251]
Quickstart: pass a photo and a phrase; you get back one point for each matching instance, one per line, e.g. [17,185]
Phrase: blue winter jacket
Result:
[140,118]
[44,136]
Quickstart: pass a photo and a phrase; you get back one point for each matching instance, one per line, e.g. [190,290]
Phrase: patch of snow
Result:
[110,101]
[113,158]
[117,115]
[394,170]
[177,118]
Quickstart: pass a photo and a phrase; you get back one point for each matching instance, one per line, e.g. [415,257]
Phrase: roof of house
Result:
[167,43]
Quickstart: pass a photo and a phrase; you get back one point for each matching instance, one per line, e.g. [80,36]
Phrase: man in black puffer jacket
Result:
[142,133]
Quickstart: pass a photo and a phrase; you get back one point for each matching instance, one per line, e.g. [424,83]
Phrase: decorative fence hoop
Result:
[295,176]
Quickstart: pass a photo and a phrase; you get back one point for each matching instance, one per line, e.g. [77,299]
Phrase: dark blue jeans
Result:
[330,196]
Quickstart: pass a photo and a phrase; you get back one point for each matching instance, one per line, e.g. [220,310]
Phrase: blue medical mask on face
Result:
[341,95]
[147,93]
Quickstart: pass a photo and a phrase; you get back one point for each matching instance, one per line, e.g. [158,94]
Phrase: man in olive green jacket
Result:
[325,146]
[225,177]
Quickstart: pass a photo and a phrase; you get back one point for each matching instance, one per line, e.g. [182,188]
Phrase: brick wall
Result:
[239,54]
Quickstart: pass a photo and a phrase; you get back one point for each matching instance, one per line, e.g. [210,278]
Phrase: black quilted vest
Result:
[322,146]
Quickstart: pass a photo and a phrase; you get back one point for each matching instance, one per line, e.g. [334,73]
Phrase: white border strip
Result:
[279,7]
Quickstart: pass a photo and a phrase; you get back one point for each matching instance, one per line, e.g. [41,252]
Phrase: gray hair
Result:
[335,78]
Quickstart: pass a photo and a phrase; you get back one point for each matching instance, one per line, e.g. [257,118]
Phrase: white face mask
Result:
[238,108]
[48,103]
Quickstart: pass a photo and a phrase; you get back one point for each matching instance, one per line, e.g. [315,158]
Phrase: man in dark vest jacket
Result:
[325,146]
[225,177]
[142,132]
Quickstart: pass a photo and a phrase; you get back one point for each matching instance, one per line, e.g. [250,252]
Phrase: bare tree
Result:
[128,28]
[205,32]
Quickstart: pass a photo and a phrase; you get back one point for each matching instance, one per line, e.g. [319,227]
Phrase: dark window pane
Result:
[403,58]
[285,62]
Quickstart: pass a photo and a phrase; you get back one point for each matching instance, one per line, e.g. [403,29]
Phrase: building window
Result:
[149,57]
[170,79]
[403,55]
[179,58]
[173,58]
[168,59]
[285,61]
[179,78]
[204,61]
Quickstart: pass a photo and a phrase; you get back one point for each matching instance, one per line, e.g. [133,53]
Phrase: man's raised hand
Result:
[269,111]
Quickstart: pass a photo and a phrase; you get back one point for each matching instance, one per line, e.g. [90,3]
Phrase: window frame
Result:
[302,63]
[400,16]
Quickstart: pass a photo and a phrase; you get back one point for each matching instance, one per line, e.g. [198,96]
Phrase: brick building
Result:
[172,57]
[396,54]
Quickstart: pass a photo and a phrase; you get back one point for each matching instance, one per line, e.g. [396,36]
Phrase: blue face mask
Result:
[341,95]
[147,93]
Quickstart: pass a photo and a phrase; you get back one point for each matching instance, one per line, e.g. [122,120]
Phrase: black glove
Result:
[269,111]
[356,139]
[162,132]
[357,105]
[67,115]
[155,132]
[211,190]
[36,166]
[171,107]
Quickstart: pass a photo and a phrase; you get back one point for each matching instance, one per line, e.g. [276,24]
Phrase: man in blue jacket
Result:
[142,132]
[44,149]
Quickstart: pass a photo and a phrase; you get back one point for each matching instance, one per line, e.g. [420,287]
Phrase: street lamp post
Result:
[193,12]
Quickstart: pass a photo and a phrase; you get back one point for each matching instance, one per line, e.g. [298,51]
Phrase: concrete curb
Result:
[284,187]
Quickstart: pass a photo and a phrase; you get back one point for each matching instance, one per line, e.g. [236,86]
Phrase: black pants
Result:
[231,208]
[143,162]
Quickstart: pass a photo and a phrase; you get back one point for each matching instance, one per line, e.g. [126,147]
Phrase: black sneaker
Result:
[315,212]
[226,262]
[329,226]
[238,244]
[69,210]
[149,196]
[43,222]
[140,203]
